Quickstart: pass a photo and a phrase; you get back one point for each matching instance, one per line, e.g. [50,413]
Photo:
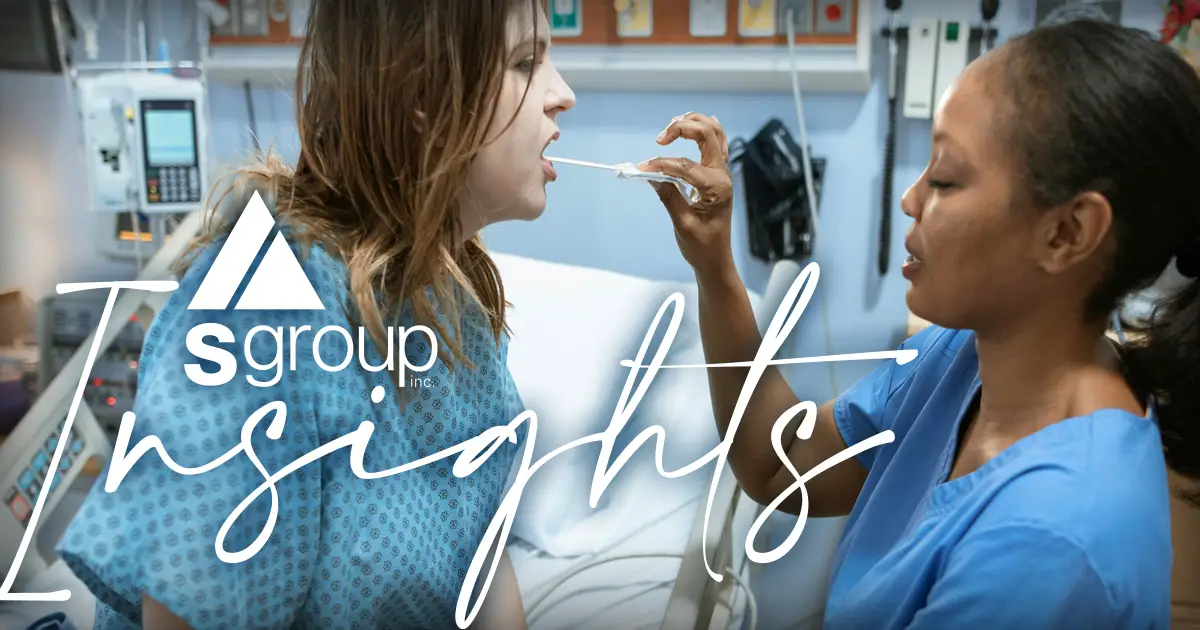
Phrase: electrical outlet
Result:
[802,16]
[834,17]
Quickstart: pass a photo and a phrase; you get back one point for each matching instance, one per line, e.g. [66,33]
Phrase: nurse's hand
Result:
[701,230]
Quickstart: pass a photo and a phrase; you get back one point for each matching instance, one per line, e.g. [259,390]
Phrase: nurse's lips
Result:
[912,264]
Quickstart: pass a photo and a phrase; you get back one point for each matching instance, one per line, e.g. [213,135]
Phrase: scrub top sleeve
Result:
[156,533]
[861,411]
[1019,576]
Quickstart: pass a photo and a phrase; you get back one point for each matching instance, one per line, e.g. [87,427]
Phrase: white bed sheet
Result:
[628,593]
[80,608]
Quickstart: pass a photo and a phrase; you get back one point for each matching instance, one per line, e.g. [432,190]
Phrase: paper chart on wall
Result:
[635,18]
[566,18]
[707,18]
[756,19]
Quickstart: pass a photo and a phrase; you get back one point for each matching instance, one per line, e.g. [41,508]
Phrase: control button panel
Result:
[21,498]
[67,321]
[173,184]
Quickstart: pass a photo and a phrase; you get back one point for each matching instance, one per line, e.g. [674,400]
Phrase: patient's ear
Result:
[421,124]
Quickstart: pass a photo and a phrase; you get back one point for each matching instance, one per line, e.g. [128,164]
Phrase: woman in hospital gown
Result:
[396,176]
[1023,483]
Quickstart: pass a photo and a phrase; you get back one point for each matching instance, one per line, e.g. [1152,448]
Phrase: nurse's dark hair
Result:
[394,100]
[1105,108]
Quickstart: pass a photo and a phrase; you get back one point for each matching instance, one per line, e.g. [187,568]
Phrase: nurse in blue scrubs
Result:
[1027,483]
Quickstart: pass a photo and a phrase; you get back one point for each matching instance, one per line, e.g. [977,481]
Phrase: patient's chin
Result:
[533,214]
[534,206]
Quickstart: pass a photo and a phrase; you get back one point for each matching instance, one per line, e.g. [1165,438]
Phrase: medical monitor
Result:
[171,161]
[145,137]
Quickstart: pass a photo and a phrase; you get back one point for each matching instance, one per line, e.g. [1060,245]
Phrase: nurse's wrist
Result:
[719,275]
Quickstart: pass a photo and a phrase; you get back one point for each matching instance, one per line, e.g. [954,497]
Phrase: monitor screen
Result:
[169,128]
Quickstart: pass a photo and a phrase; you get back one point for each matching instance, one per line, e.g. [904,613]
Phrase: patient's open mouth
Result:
[547,167]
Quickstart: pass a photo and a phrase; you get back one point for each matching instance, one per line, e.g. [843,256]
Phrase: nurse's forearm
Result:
[730,334]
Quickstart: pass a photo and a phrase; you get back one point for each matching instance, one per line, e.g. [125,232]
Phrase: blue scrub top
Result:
[1068,528]
[345,552]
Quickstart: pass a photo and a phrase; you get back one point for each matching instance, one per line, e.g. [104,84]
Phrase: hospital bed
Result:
[636,560]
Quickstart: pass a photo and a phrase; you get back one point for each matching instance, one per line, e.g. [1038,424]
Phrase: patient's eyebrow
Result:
[541,43]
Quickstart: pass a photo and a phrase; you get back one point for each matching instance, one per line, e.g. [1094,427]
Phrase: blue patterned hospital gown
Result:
[345,552]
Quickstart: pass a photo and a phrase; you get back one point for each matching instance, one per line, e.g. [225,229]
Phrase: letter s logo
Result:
[220,356]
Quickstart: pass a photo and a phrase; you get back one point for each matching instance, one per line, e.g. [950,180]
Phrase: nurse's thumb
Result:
[670,198]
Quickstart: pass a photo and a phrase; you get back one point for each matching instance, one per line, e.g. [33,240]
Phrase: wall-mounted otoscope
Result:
[936,52]
[889,151]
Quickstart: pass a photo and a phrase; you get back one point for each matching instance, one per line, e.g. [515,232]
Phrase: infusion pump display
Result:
[145,136]
[171,164]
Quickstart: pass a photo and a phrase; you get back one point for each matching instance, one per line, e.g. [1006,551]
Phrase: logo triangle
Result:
[278,284]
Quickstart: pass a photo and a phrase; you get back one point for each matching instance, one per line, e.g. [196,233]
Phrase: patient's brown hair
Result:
[394,101]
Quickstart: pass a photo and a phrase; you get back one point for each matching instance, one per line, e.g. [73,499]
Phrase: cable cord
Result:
[248,92]
[533,608]
[751,603]
[810,187]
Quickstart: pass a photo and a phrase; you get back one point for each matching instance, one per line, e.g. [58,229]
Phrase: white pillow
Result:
[571,328]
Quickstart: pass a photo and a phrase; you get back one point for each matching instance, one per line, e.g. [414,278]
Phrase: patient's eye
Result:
[527,64]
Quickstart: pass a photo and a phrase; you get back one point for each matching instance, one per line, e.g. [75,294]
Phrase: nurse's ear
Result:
[1072,233]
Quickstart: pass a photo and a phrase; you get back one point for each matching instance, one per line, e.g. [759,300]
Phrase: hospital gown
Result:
[345,552]
[1067,528]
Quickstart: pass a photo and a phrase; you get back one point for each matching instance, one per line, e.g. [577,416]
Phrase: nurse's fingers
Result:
[713,184]
[718,130]
[684,168]
[714,149]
